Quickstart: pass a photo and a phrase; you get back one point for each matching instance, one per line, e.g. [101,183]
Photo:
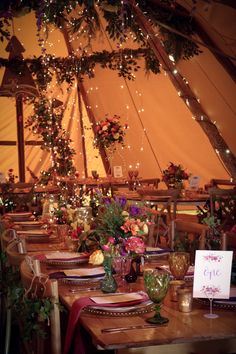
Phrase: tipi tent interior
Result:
[185,114]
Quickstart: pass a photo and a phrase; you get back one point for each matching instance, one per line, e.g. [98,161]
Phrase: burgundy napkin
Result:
[73,342]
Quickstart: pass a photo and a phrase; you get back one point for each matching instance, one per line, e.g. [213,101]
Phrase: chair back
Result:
[149,182]
[39,285]
[8,236]
[222,182]
[15,253]
[223,206]
[194,229]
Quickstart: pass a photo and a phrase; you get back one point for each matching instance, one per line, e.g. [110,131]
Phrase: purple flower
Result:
[121,201]
[107,200]
[134,210]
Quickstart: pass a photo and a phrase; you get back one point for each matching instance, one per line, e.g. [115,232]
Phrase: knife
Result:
[73,290]
[119,329]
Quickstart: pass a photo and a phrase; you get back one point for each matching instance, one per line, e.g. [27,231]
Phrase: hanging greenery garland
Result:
[121,21]
[47,122]
[67,69]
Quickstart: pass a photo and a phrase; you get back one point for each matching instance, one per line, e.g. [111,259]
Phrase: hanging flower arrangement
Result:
[109,132]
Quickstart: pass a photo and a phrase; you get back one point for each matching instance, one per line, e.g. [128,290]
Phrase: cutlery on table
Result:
[119,329]
[76,290]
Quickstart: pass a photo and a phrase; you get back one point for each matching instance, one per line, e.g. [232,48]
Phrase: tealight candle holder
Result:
[174,286]
[185,300]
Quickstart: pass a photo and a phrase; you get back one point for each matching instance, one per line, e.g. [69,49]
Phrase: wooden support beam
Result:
[20,138]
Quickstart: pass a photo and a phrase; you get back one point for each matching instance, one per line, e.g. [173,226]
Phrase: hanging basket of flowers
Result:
[109,132]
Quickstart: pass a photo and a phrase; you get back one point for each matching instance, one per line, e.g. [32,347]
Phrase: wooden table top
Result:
[182,327]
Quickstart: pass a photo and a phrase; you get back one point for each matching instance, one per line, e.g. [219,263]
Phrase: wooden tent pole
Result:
[20,138]
[185,92]
[82,92]
[82,135]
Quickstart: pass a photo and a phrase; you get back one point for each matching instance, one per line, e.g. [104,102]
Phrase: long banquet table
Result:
[190,333]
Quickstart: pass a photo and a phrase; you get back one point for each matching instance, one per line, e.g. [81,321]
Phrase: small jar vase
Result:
[108,283]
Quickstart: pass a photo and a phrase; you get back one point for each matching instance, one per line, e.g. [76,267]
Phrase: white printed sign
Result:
[118,171]
[194,182]
[212,274]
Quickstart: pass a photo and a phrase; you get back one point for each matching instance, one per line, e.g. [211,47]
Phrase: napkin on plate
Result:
[82,273]
[73,338]
[65,255]
[156,250]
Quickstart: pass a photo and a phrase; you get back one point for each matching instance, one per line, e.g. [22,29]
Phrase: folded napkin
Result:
[62,256]
[73,341]
[79,273]
[156,250]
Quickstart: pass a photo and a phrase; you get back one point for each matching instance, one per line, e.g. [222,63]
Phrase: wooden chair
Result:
[149,182]
[228,242]
[38,284]
[164,203]
[191,229]
[7,237]
[223,206]
[222,182]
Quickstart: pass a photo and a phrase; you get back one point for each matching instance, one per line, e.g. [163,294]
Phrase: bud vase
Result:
[108,284]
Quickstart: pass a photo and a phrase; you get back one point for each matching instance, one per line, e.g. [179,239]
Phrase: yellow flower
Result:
[96,258]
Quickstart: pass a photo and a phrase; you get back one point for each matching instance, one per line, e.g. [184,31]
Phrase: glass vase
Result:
[108,283]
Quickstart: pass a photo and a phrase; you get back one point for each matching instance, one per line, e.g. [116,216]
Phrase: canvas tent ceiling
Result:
[161,128]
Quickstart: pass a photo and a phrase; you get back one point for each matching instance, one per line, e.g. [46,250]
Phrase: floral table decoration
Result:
[120,230]
[174,176]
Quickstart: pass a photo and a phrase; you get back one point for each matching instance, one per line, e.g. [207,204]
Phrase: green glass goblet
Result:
[156,283]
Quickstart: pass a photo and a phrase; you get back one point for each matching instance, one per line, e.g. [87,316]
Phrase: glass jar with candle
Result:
[185,299]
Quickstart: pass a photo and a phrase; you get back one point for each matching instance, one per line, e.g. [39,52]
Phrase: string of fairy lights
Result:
[168,67]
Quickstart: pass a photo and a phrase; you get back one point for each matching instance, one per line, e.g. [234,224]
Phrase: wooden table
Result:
[186,333]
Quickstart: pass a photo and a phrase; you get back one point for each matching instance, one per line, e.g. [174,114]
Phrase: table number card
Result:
[117,170]
[212,274]
[194,182]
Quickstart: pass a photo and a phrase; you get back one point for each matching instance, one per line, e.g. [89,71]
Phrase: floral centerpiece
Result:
[109,132]
[174,175]
[120,229]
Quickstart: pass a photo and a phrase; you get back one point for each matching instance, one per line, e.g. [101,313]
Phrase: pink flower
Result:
[111,240]
[135,245]
[106,248]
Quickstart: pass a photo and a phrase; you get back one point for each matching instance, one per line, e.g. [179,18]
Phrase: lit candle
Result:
[185,300]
